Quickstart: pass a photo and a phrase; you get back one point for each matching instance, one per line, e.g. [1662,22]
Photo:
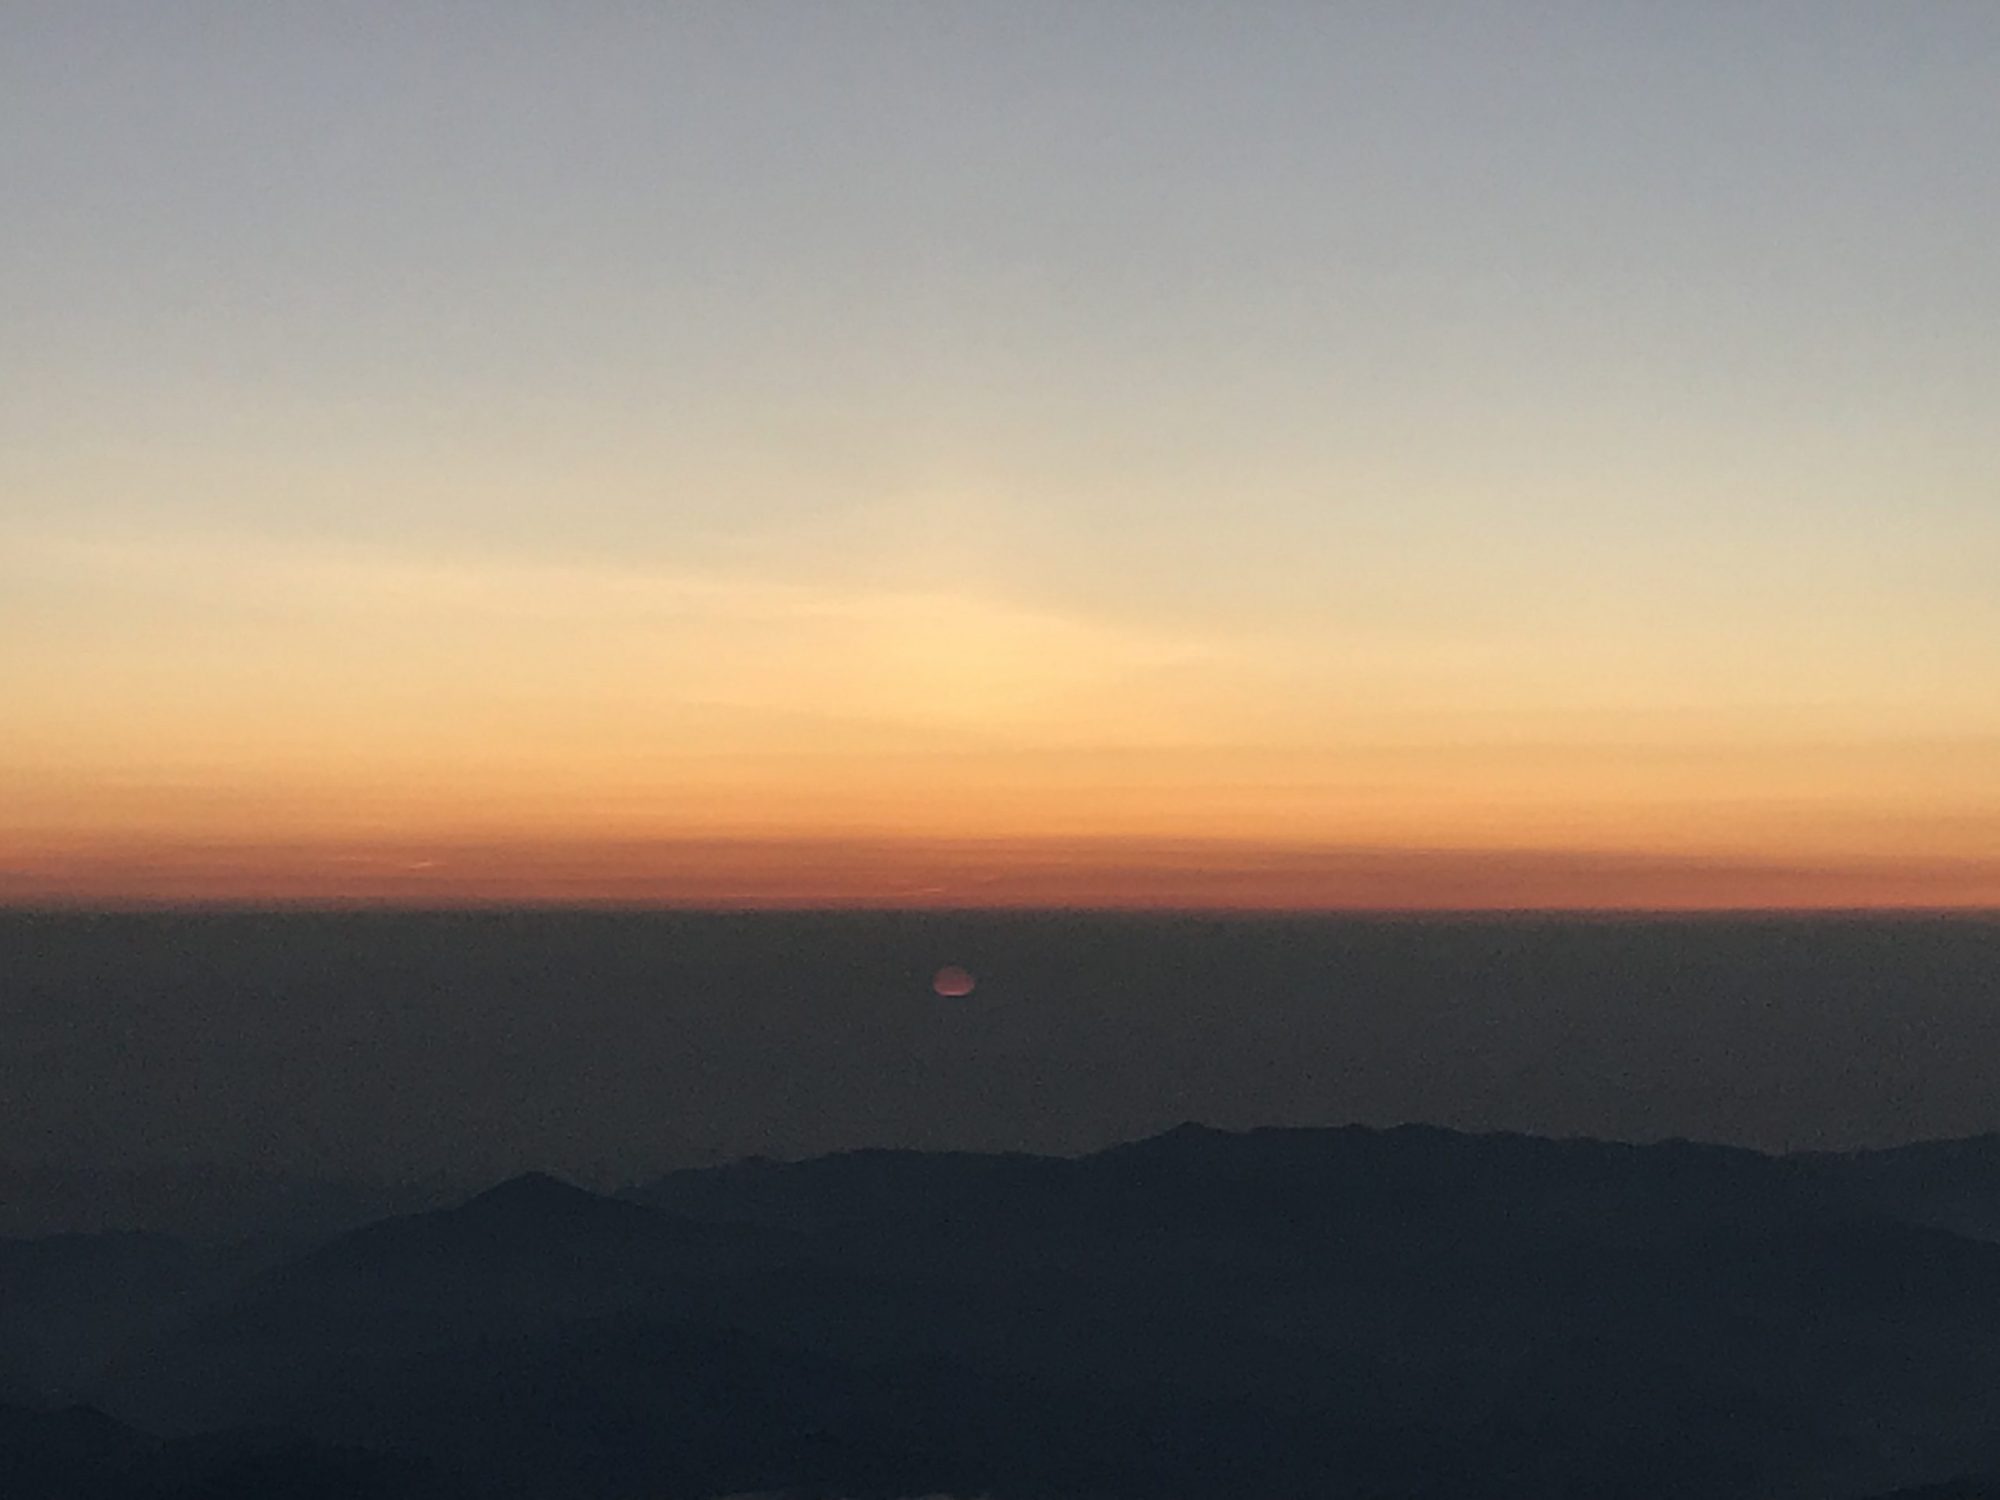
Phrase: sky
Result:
[1000,454]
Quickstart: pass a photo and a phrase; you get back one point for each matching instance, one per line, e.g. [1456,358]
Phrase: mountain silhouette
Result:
[78,1453]
[1951,1185]
[1377,1314]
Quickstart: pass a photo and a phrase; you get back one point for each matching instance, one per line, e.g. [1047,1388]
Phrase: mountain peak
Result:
[535,1193]
[1189,1135]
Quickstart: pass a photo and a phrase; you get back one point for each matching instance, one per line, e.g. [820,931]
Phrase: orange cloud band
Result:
[1103,874]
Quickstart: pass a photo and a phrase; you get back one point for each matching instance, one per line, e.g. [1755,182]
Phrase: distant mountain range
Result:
[196,1203]
[1405,1314]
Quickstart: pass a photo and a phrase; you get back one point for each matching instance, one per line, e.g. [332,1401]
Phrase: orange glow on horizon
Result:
[252,722]
[1022,874]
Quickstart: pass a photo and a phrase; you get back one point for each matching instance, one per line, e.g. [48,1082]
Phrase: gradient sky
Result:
[1385,454]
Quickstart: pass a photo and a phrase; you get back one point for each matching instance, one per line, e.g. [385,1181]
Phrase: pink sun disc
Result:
[952,982]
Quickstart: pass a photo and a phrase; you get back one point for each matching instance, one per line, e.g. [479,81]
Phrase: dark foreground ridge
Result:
[1407,1314]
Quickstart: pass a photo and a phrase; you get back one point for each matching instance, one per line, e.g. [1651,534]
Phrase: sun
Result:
[952,982]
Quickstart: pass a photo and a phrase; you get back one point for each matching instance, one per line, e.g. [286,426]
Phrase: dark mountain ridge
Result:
[1381,1314]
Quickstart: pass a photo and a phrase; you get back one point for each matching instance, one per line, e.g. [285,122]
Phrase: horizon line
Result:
[360,905]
